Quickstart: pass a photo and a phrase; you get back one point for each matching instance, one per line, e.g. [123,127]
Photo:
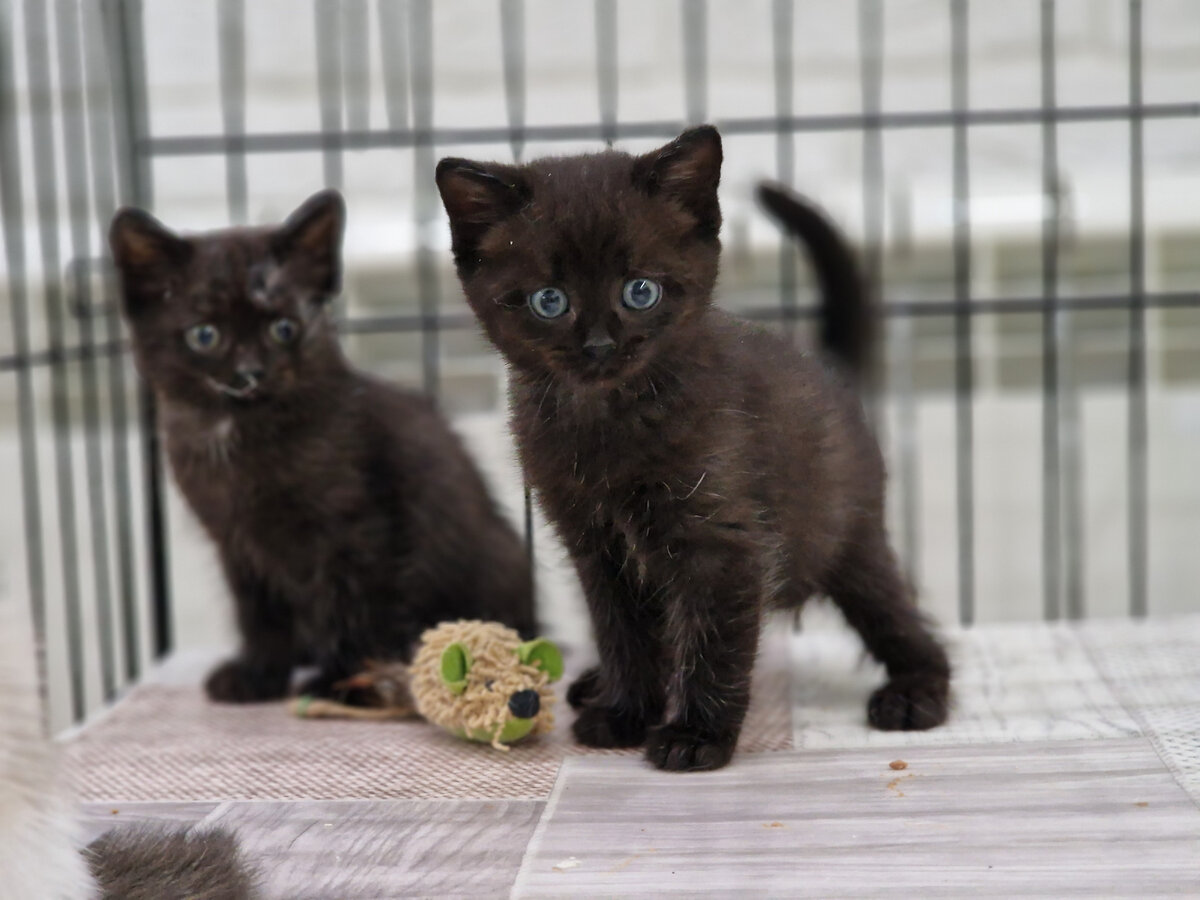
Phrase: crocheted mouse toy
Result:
[478,680]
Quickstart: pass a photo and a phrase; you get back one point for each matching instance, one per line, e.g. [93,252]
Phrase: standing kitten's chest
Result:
[629,474]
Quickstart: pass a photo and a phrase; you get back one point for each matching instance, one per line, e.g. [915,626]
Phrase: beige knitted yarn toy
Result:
[476,679]
[480,681]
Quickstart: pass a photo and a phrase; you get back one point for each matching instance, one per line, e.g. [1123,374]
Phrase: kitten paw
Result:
[237,681]
[678,749]
[584,688]
[604,726]
[910,703]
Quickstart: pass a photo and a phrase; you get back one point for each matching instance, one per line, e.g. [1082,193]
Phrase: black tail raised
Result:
[847,314]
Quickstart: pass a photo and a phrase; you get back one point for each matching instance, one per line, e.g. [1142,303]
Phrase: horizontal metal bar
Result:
[896,309]
[300,141]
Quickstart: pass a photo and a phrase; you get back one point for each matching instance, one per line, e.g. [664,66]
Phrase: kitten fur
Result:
[347,515]
[698,468]
[38,828]
[39,824]
[144,863]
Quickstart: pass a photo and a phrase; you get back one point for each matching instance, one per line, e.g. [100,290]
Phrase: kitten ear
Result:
[140,242]
[313,234]
[476,197]
[689,170]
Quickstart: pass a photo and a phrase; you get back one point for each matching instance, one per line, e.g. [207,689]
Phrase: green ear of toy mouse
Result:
[478,680]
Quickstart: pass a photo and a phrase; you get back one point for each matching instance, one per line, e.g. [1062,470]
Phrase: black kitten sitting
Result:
[348,516]
[698,468]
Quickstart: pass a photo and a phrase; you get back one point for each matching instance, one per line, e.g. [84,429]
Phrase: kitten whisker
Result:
[696,487]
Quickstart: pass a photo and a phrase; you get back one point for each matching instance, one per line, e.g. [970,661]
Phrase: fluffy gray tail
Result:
[848,318]
[148,864]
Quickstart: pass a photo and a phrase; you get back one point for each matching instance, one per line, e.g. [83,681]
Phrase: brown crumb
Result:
[773,825]
[898,764]
[1141,803]
[115,811]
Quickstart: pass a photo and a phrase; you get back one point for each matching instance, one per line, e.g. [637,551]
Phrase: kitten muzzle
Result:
[599,344]
[245,384]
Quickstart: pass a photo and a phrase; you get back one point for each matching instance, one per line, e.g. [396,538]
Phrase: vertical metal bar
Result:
[127,69]
[100,122]
[782,32]
[606,67]
[426,207]
[963,375]
[393,54]
[127,64]
[356,57]
[37,48]
[512,39]
[870,24]
[870,56]
[73,92]
[231,50]
[1138,427]
[1051,459]
[13,217]
[327,14]
[695,60]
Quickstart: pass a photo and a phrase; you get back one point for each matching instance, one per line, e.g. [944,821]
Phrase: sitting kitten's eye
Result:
[548,302]
[202,338]
[284,331]
[640,293]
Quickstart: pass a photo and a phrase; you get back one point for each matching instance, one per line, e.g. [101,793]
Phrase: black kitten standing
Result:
[348,516]
[698,468]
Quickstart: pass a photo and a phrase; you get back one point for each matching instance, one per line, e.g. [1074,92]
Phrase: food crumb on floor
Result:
[773,825]
[569,863]
[898,764]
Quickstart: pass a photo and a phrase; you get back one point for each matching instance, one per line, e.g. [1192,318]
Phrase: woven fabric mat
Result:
[1014,682]
[166,742]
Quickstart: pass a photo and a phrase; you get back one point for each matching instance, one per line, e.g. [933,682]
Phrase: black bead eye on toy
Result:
[524,704]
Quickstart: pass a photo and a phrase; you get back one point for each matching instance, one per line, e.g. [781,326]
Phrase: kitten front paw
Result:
[605,726]
[678,749]
[584,688]
[237,681]
[910,703]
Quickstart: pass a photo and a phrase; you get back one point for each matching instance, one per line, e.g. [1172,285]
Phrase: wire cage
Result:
[1013,177]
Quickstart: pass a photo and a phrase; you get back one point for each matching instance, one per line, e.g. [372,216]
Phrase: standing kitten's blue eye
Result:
[284,331]
[202,338]
[640,293]
[549,302]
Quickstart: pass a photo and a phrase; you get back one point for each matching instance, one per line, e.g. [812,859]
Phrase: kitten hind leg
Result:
[245,679]
[263,670]
[877,602]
